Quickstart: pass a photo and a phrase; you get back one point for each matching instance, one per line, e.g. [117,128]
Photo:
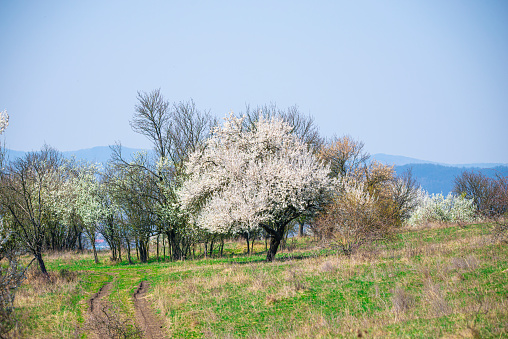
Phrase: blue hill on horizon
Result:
[100,154]
[440,179]
[400,160]
[437,177]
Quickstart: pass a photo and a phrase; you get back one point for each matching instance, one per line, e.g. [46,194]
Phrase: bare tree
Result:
[26,195]
[344,155]
[175,131]
[351,219]
[303,125]
[11,277]
[404,193]
[135,191]
[501,228]
[152,119]
[484,191]
[189,128]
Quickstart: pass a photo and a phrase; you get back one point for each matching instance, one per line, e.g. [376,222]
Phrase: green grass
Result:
[442,281]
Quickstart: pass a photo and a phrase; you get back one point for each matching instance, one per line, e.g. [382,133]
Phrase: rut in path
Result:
[105,321]
[96,304]
[145,315]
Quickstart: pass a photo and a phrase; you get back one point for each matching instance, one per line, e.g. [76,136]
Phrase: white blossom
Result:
[4,120]
[437,208]
[243,178]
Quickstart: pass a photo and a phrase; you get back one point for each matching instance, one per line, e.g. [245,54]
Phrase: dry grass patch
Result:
[45,305]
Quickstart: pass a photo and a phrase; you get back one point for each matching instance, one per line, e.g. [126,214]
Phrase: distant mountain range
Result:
[433,177]
[438,177]
[99,154]
[399,160]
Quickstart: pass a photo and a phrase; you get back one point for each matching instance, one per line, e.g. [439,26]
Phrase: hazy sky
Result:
[425,79]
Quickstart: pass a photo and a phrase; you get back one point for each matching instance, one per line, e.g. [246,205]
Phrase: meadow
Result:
[436,281]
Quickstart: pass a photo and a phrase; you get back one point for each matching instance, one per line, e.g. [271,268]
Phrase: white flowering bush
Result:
[243,179]
[80,196]
[437,208]
[4,120]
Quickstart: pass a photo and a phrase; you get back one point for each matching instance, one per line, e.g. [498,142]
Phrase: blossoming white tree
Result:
[4,120]
[243,179]
[84,198]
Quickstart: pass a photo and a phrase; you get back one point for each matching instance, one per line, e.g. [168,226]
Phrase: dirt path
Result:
[151,325]
[96,313]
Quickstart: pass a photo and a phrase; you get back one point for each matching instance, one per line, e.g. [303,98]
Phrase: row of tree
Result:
[206,181]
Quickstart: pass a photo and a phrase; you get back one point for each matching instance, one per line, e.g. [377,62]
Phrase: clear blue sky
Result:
[425,79]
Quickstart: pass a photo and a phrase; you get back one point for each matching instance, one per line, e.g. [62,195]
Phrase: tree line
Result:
[254,175]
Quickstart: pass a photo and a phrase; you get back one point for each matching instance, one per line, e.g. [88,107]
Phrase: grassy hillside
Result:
[439,281]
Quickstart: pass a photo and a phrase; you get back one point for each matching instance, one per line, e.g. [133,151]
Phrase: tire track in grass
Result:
[146,318]
[96,312]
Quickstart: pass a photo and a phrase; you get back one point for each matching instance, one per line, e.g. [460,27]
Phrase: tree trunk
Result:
[119,244]
[137,248]
[158,247]
[129,251]
[276,236]
[170,249]
[211,248]
[113,252]
[80,243]
[176,251]
[96,258]
[300,230]
[274,245]
[142,252]
[248,245]
[163,247]
[42,266]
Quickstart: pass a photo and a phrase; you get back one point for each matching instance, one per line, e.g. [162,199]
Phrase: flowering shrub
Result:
[437,208]
[352,218]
